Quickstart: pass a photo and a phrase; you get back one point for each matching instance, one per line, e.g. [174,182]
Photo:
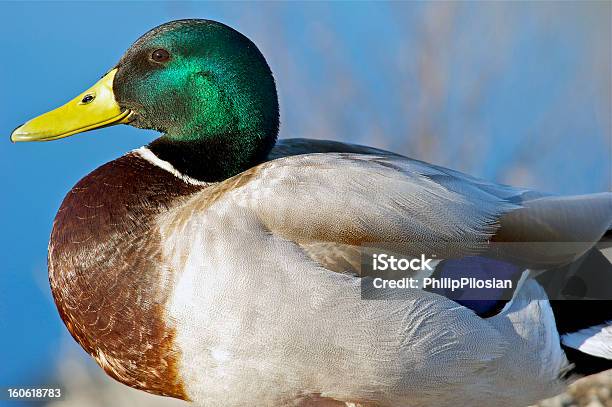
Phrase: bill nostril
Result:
[87,99]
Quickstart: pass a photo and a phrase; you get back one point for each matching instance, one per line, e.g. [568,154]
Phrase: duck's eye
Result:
[160,55]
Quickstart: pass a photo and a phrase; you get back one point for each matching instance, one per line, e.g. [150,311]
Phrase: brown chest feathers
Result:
[106,273]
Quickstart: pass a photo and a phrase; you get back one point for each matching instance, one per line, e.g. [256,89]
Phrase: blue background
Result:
[514,92]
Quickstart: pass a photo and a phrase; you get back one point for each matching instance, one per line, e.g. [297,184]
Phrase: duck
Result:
[221,266]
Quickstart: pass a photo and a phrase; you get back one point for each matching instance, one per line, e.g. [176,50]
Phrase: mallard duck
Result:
[220,266]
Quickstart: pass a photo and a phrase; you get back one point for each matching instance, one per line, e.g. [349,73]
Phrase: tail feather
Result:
[582,306]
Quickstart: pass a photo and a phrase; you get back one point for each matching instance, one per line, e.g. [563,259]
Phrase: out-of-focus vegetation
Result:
[593,391]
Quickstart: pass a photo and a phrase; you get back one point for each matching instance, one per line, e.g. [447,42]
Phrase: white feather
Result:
[148,155]
[595,340]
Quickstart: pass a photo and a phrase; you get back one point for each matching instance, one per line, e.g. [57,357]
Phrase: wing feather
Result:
[332,198]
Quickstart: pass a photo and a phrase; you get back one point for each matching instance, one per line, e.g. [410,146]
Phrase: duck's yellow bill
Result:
[94,108]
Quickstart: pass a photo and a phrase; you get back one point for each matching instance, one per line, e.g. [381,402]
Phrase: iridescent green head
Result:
[205,86]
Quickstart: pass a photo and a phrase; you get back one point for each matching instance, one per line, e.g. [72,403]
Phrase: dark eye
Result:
[160,55]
